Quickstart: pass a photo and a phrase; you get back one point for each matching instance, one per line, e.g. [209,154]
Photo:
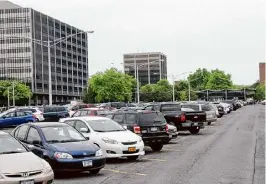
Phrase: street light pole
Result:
[138,96]
[13,86]
[173,88]
[189,91]
[49,74]
[8,100]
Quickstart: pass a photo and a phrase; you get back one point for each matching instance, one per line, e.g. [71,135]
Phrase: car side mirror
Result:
[84,130]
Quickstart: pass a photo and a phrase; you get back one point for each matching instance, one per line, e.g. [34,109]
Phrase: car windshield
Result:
[9,145]
[194,107]
[55,134]
[2,114]
[105,125]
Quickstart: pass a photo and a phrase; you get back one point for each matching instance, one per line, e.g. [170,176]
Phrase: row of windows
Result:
[22,20]
[15,50]
[17,10]
[13,40]
[15,70]
[14,60]
[15,30]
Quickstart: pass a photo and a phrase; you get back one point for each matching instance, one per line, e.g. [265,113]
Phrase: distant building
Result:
[152,66]
[27,61]
[262,73]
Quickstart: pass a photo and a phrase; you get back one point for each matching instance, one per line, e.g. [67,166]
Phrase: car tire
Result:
[95,171]
[194,130]
[157,147]
[133,158]
[209,123]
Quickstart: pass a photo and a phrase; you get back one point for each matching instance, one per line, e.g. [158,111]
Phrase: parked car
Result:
[62,146]
[15,117]
[172,131]
[36,112]
[206,107]
[220,109]
[233,104]
[91,112]
[54,113]
[227,107]
[263,102]
[74,108]
[112,138]
[189,120]
[150,125]
[19,165]
[113,105]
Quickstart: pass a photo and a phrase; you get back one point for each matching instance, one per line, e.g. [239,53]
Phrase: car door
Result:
[34,142]
[21,117]
[79,125]
[8,120]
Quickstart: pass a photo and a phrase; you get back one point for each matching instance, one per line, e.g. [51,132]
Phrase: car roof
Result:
[88,118]
[48,124]
[92,108]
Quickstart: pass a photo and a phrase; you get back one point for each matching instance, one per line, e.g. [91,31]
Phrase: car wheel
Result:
[95,171]
[133,158]
[157,147]
[194,130]
[209,123]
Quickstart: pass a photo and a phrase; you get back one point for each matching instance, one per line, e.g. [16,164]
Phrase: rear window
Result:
[151,118]
[60,109]
[194,107]
[102,112]
[170,107]
[49,109]
[131,119]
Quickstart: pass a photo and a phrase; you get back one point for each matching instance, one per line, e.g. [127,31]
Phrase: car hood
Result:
[120,136]
[75,147]
[20,162]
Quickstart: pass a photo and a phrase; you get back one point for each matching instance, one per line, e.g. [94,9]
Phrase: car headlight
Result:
[109,141]
[99,153]
[60,155]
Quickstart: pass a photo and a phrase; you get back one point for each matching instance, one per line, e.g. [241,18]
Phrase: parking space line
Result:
[123,172]
[154,159]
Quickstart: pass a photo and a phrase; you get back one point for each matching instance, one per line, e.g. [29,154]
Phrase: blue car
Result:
[15,117]
[62,146]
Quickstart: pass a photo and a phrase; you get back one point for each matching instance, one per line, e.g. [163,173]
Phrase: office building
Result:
[152,66]
[262,73]
[23,58]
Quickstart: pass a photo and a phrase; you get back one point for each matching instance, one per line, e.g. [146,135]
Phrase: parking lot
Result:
[230,150]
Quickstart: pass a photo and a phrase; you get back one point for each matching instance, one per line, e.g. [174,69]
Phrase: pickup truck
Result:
[192,121]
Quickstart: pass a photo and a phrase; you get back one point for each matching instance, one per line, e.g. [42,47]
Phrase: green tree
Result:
[112,85]
[260,92]
[89,96]
[219,80]
[199,79]
[21,91]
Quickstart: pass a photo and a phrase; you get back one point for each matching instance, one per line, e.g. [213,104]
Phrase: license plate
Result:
[27,182]
[154,129]
[196,124]
[132,149]
[87,163]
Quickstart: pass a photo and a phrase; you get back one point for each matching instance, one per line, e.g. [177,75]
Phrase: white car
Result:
[112,138]
[226,107]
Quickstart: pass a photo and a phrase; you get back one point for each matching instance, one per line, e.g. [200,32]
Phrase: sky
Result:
[224,34]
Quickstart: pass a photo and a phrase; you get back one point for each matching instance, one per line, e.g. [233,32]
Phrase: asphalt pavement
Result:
[230,151]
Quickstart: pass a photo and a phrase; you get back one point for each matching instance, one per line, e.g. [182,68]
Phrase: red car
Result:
[91,112]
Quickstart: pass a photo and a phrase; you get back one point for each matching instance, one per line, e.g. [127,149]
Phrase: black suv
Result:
[150,125]
[54,113]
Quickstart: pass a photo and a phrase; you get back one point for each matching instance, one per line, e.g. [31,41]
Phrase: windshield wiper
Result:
[99,131]
[11,152]
[53,141]
[71,140]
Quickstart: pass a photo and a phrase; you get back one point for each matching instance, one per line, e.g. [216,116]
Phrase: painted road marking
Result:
[154,159]
[123,172]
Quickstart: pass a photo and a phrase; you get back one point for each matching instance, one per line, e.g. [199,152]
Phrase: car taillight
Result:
[183,117]
[34,116]
[136,129]
[166,128]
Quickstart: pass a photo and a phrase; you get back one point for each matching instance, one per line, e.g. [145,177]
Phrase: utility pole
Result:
[188,90]
[173,87]
[49,74]
[137,67]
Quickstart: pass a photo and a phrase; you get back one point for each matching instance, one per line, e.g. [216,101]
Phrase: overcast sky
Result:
[224,34]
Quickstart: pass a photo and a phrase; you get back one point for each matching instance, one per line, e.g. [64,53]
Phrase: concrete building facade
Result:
[152,66]
[262,73]
[23,58]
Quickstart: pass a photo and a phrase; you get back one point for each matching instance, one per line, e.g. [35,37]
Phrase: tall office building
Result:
[23,58]
[262,73]
[152,66]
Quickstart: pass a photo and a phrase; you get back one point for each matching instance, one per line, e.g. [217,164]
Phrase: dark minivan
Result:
[54,113]
[150,125]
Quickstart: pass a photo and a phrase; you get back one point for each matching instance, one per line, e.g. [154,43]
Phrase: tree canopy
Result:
[111,85]
[219,80]
[21,91]
[260,92]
